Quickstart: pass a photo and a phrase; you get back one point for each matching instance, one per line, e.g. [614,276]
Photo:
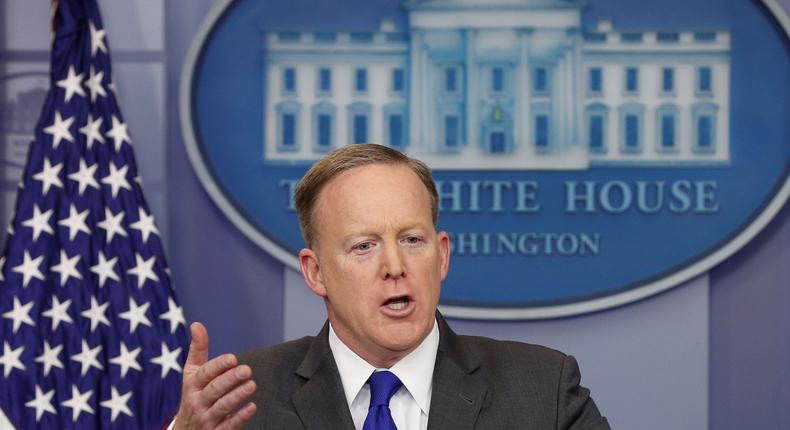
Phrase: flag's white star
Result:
[29,268]
[112,224]
[94,84]
[119,133]
[42,403]
[49,358]
[20,314]
[174,314]
[10,359]
[105,269]
[143,270]
[92,131]
[49,176]
[76,222]
[2,267]
[78,402]
[168,360]
[59,312]
[67,267]
[72,83]
[136,315]
[39,222]
[145,224]
[112,86]
[127,359]
[85,176]
[87,357]
[116,179]
[96,313]
[117,404]
[60,130]
[97,39]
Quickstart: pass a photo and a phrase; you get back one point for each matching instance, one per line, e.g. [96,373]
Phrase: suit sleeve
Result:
[576,410]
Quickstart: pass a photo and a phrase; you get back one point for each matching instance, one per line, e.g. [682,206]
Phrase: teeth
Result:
[399,305]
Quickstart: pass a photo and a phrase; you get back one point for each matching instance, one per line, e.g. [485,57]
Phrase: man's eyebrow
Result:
[376,231]
[359,233]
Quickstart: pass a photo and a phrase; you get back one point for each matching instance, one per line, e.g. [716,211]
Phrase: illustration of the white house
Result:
[500,84]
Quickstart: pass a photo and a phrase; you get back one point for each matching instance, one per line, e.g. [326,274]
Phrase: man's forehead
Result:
[368,177]
[377,194]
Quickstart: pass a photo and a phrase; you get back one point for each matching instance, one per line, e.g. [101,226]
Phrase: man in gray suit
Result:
[385,358]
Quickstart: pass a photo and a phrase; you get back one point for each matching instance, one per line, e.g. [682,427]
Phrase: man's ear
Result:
[444,252]
[311,271]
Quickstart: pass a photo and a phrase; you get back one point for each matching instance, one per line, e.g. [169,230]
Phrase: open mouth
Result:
[398,303]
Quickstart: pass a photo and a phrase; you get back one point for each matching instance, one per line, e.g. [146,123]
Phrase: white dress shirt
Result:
[411,403]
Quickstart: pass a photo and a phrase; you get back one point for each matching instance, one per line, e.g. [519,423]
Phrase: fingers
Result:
[239,419]
[223,384]
[230,402]
[213,369]
[198,348]
[213,389]
[223,395]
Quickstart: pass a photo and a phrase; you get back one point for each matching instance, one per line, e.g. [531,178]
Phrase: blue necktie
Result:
[383,386]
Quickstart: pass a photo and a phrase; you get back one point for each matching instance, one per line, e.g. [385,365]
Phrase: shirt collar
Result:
[415,370]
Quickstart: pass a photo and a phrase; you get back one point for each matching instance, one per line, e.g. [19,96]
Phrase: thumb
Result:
[198,348]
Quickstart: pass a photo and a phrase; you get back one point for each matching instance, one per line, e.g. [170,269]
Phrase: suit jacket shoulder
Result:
[298,386]
[478,383]
[272,366]
[482,383]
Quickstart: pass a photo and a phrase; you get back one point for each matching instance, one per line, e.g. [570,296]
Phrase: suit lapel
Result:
[457,397]
[458,391]
[321,402]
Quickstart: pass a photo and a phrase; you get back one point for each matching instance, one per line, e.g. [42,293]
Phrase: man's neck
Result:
[381,359]
[414,369]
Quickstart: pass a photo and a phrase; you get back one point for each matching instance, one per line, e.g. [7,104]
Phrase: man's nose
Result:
[392,265]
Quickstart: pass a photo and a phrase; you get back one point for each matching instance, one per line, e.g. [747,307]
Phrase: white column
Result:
[415,90]
[579,91]
[521,114]
[472,99]
[526,120]
[427,109]
[304,95]
[557,124]
[270,114]
[571,122]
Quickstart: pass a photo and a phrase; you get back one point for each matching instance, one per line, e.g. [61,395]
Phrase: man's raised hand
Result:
[213,391]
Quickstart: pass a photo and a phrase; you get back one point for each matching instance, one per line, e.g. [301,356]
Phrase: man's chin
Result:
[404,337]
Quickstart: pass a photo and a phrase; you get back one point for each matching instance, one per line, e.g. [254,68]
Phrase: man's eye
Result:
[413,240]
[364,246]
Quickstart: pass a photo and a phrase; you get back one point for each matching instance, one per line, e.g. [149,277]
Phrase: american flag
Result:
[91,335]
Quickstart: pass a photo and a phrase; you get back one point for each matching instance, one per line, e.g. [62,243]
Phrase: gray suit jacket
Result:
[478,383]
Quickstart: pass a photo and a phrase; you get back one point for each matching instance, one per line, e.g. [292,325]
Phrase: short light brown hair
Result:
[346,158]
